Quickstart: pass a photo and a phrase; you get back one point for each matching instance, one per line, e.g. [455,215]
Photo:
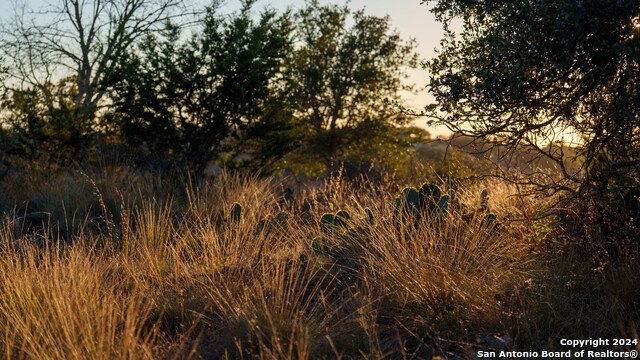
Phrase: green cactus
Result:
[408,201]
[319,245]
[343,215]
[332,224]
[484,200]
[488,220]
[430,192]
[235,212]
[327,221]
[443,206]
[370,217]
[396,204]
[412,197]
[336,227]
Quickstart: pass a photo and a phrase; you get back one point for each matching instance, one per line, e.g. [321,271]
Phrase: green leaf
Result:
[542,235]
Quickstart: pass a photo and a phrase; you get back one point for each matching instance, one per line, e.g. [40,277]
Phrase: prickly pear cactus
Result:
[488,221]
[235,212]
[370,217]
[443,206]
[327,221]
[343,215]
[430,192]
[484,200]
[333,224]
[408,201]
[319,245]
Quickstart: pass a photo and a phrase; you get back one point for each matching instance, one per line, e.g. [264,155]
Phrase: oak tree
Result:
[560,79]
[345,73]
[201,98]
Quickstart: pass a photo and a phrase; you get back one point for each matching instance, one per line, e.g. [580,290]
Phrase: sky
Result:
[410,18]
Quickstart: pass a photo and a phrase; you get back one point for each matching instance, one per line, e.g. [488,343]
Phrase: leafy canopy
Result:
[541,74]
[346,70]
[194,98]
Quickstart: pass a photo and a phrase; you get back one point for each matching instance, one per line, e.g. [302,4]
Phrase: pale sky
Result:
[409,17]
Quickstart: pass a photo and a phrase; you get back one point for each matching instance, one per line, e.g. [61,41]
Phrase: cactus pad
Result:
[235,212]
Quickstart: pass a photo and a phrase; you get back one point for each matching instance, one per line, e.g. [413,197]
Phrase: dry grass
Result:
[134,266]
[69,304]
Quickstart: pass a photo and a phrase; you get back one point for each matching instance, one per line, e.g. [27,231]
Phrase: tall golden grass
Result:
[132,266]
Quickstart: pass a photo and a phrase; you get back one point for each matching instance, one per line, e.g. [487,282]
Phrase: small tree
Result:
[56,59]
[343,79]
[44,125]
[557,78]
[198,98]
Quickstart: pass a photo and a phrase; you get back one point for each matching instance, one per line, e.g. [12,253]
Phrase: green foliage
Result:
[46,124]
[545,228]
[345,67]
[545,76]
[199,98]
[306,93]
[44,129]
